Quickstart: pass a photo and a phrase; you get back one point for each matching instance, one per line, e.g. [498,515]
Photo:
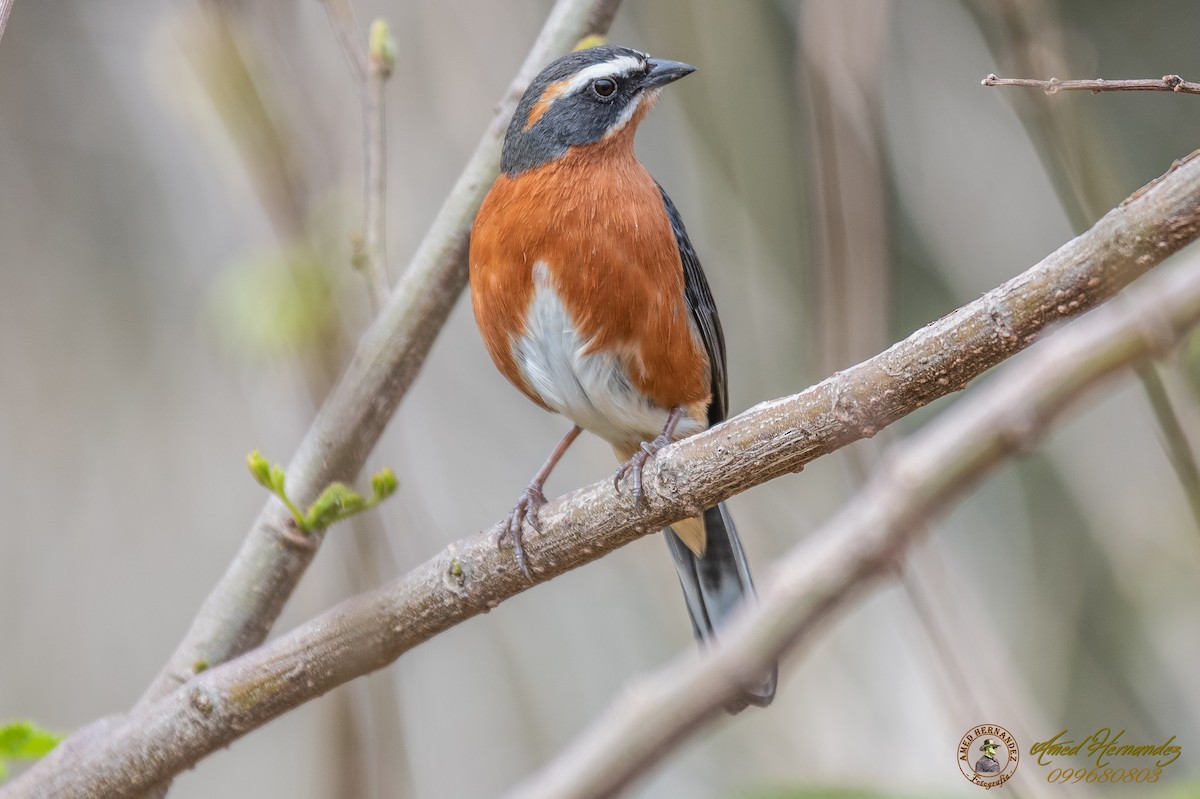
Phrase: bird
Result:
[592,302]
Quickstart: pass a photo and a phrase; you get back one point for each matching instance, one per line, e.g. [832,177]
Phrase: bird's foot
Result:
[633,467]
[526,509]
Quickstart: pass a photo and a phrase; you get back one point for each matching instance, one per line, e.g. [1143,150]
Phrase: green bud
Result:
[381,47]
[383,483]
[259,467]
[272,478]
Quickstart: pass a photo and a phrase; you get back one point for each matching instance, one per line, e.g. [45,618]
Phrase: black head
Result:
[581,98]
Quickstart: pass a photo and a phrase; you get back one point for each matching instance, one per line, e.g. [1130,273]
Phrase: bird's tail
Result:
[713,585]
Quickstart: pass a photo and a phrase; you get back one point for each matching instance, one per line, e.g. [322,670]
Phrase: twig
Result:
[1080,166]
[370,67]
[469,577]
[243,606]
[380,61]
[371,555]
[1167,83]
[1174,438]
[858,548]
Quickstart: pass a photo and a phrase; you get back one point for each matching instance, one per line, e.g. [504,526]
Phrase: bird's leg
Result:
[531,501]
[649,448]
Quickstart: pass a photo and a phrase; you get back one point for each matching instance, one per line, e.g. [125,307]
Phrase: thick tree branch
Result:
[243,606]
[860,546]
[1167,83]
[1032,41]
[469,577]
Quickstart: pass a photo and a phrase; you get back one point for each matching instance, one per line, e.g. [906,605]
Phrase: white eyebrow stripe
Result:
[614,68]
[625,116]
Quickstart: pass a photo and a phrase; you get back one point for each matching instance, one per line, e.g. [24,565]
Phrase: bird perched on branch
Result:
[592,302]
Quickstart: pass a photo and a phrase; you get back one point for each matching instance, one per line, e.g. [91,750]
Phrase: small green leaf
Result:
[383,484]
[336,502]
[25,740]
[38,744]
[11,734]
[272,478]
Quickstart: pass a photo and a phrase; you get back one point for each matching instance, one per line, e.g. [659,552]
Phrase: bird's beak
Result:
[663,72]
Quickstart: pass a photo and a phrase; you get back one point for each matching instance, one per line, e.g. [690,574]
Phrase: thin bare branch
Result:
[1174,437]
[243,606]
[161,737]
[370,66]
[380,60]
[1167,83]
[859,547]
[1031,39]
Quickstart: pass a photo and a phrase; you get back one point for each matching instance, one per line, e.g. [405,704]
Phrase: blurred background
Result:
[179,187]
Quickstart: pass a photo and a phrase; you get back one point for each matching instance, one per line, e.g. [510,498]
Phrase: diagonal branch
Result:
[1076,159]
[5,10]
[243,606]
[859,548]
[164,736]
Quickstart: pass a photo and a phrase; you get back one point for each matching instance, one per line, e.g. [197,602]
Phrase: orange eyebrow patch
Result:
[552,93]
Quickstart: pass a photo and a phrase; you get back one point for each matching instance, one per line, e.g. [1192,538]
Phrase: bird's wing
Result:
[704,313]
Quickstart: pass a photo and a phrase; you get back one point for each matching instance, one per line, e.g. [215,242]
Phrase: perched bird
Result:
[592,301]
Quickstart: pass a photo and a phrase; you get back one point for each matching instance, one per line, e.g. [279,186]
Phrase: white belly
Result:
[592,390]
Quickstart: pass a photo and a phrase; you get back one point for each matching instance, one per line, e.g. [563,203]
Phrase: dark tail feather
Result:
[716,584]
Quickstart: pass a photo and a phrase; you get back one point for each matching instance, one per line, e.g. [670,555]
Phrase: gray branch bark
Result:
[244,605]
[5,10]
[124,755]
[862,545]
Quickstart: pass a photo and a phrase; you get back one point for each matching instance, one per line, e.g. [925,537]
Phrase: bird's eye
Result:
[603,87]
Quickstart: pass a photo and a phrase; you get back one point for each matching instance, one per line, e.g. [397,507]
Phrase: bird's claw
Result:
[526,509]
[635,464]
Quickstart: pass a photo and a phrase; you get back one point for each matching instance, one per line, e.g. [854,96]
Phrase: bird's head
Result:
[582,98]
